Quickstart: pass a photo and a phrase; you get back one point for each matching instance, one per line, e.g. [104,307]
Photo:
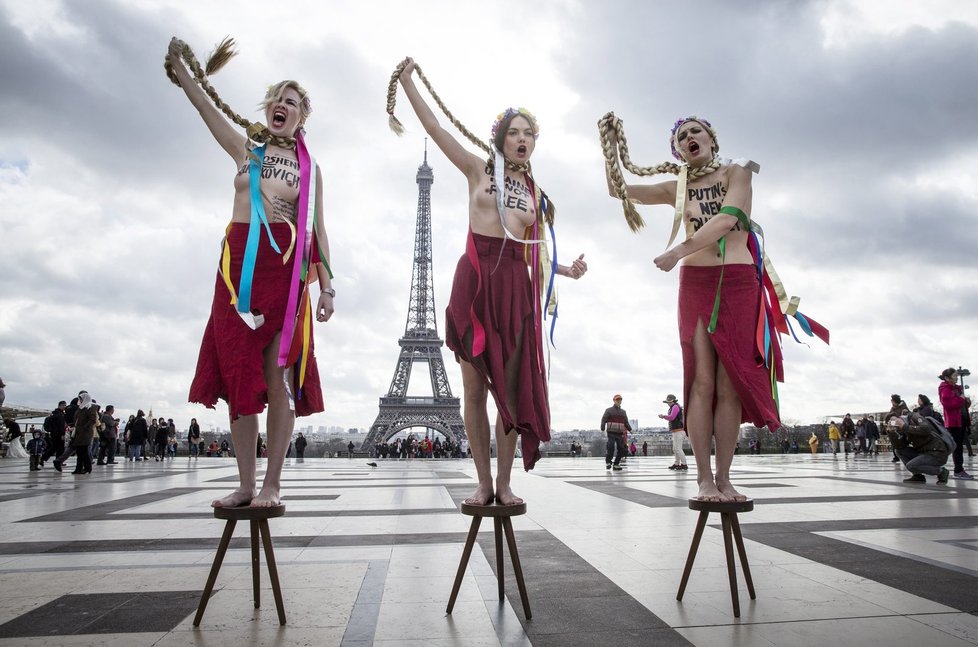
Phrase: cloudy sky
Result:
[115,197]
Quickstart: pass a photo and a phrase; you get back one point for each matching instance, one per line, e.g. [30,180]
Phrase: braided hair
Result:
[224,52]
[498,132]
[610,131]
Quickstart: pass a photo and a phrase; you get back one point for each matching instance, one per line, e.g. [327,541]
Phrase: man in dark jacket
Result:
[138,433]
[54,425]
[615,423]
[300,446]
[919,444]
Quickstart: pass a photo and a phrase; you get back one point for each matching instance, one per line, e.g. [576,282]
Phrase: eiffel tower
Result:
[420,343]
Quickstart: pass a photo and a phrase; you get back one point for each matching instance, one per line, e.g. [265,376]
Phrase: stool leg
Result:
[466,552]
[517,568]
[735,526]
[266,538]
[222,549]
[731,566]
[254,562]
[497,524]
[693,547]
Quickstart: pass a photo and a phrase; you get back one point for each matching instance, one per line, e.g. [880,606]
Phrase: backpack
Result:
[49,424]
[940,431]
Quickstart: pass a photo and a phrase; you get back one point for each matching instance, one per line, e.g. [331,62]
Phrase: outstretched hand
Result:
[408,70]
[174,51]
[576,269]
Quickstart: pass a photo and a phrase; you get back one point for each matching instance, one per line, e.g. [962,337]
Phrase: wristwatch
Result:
[330,291]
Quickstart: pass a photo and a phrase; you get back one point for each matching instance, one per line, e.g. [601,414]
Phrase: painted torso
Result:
[279,186]
[704,197]
[520,210]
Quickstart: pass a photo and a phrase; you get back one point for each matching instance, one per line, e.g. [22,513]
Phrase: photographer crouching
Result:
[923,444]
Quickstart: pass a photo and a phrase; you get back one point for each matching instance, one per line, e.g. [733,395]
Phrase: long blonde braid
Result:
[398,128]
[224,52]
[611,131]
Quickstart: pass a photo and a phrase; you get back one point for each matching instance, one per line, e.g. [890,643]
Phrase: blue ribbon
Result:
[254,230]
[550,285]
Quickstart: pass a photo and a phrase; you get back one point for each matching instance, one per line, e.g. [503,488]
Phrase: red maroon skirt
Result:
[231,364]
[491,292]
[733,338]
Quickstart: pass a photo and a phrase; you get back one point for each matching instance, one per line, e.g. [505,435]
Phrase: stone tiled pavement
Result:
[841,551]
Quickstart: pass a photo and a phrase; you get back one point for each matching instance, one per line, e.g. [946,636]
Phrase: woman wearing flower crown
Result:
[495,315]
[728,328]
[257,346]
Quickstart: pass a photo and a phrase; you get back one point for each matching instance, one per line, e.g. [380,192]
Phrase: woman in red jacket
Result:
[954,402]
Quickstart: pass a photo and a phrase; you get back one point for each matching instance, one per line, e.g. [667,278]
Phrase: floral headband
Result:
[509,112]
[680,122]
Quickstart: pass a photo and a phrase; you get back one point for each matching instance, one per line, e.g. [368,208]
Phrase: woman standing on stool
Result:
[257,347]
[494,317]
[731,353]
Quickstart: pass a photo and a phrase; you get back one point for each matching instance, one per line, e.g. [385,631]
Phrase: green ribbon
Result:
[744,220]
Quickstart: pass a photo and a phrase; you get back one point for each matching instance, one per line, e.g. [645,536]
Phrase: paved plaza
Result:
[841,550]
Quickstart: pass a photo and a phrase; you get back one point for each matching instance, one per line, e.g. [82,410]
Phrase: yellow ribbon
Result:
[680,203]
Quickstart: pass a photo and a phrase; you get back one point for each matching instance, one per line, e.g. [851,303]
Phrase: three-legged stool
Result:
[502,520]
[728,518]
[258,517]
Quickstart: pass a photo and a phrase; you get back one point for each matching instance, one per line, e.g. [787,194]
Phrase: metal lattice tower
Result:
[420,343]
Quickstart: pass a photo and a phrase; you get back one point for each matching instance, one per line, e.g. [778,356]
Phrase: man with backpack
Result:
[923,444]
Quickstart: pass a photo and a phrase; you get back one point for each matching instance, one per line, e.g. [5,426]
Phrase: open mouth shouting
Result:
[279,117]
[521,150]
[694,148]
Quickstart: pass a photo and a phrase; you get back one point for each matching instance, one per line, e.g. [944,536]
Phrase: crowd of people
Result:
[95,436]
[413,447]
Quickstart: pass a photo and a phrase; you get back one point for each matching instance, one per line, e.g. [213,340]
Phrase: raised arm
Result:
[738,196]
[470,165]
[324,307]
[226,135]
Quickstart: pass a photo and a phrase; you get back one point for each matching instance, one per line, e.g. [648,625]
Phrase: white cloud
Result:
[115,196]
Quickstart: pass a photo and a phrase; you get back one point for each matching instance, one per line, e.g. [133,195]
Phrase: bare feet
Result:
[267,498]
[237,498]
[505,496]
[483,496]
[708,492]
[728,493]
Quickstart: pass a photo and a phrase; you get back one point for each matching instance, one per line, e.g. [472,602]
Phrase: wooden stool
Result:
[501,517]
[728,517]
[259,525]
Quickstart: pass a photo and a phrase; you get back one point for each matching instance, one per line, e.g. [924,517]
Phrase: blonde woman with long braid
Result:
[257,346]
[726,324]
[493,319]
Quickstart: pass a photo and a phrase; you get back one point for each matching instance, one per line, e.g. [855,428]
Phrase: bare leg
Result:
[279,424]
[699,413]
[477,430]
[726,426]
[505,454]
[506,443]
[244,435]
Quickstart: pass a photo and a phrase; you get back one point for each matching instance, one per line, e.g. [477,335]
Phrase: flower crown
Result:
[680,122]
[509,112]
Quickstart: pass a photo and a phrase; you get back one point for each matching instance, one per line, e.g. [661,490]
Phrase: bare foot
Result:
[237,498]
[267,498]
[728,493]
[505,496]
[708,492]
[483,496]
